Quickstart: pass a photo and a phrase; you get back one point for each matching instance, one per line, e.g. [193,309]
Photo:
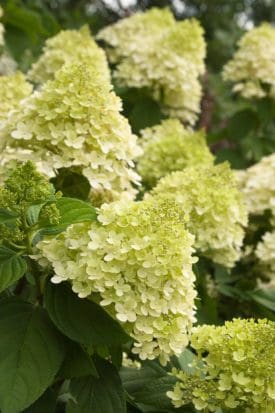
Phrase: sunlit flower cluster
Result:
[152,50]
[170,147]
[217,211]
[74,122]
[138,260]
[258,185]
[13,89]
[252,67]
[234,369]
[66,47]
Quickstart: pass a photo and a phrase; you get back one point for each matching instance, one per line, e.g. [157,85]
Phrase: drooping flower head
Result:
[258,185]
[13,89]
[138,260]
[252,67]
[234,369]
[170,147]
[66,47]
[74,122]
[152,50]
[209,194]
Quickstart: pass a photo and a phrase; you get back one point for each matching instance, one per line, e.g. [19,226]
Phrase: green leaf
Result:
[264,297]
[12,267]
[80,319]
[33,213]
[7,216]
[72,211]
[77,363]
[102,395]
[242,123]
[45,404]
[31,353]
[185,361]
[148,386]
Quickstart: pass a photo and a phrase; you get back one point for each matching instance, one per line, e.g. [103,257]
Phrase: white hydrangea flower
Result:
[265,252]
[138,258]
[152,50]
[13,89]
[218,215]
[252,68]
[66,47]
[75,122]
[258,185]
[170,147]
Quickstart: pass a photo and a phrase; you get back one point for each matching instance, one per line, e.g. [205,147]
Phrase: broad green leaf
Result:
[7,216]
[45,404]
[264,297]
[102,395]
[77,363]
[72,211]
[33,213]
[81,319]
[12,267]
[148,386]
[31,352]
[242,123]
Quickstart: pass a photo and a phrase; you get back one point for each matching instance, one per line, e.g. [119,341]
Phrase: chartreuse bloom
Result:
[234,369]
[66,47]
[152,50]
[170,147]
[13,89]
[252,67]
[209,194]
[137,263]
[74,121]
[258,185]
[22,188]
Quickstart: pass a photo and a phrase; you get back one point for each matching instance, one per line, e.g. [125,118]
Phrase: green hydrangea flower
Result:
[75,122]
[234,369]
[252,68]
[66,47]
[209,194]
[170,147]
[138,259]
[152,50]
[24,187]
[13,89]
[258,185]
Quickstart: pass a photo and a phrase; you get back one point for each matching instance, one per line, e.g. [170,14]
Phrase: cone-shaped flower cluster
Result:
[216,208]
[138,260]
[13,89]
[66,47]
[252,68]
[74,121]
[234,369]
[258,185]
[154,51]
[170,147]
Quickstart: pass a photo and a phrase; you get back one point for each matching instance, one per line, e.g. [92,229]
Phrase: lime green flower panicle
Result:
[252,67]
[235,368]
[209,194]
[138,258]
[154,51]
[170,147]
[69,46]
[258,185]
[75,122]
[13,89]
